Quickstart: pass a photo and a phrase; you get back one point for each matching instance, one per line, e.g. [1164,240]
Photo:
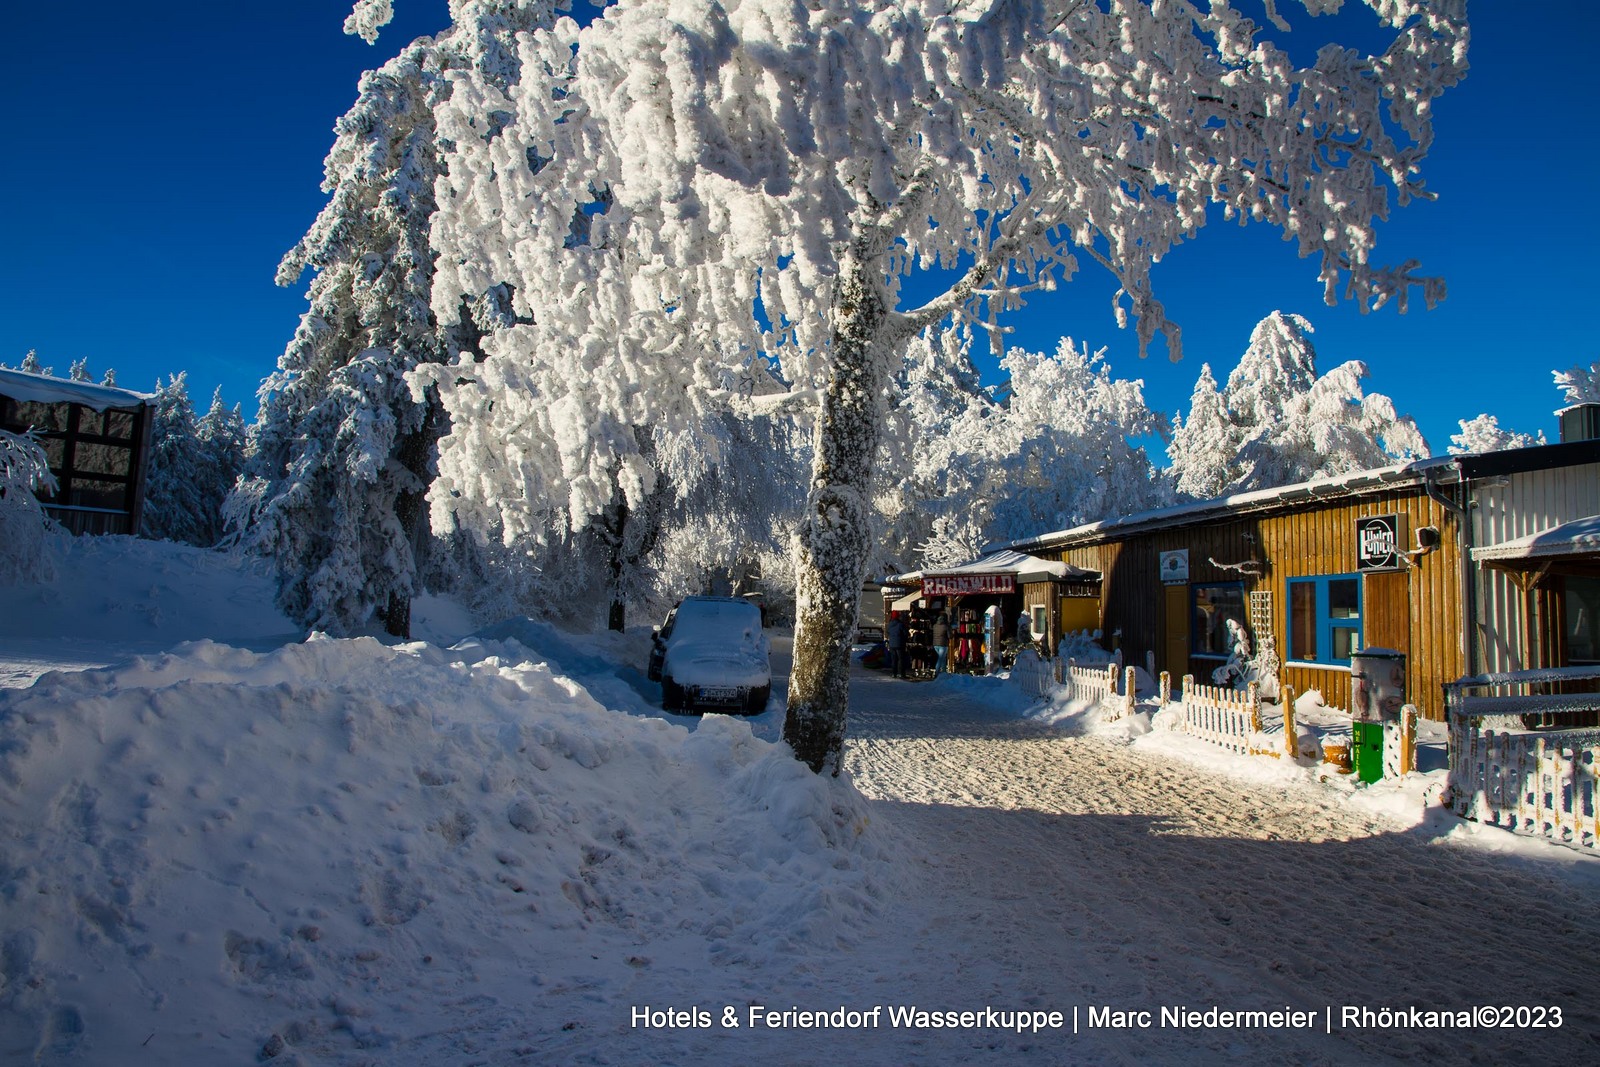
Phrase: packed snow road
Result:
[1077,873]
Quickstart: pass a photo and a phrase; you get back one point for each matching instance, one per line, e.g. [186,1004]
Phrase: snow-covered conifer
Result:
[1334,427]
[343,449]
[1204,449]
[1483,434]
[678,191]
[220,434]
[1579,386]
[175,506]
[1279,365]
[80,370]
[31,365]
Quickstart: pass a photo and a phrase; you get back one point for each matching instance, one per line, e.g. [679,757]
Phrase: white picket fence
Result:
[1537,783]
[1226,717]
[1099,684]
[1036,675]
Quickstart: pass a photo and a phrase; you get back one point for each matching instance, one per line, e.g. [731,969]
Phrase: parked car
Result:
[711,653]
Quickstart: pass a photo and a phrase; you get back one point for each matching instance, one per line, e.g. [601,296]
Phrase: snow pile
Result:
[215,854]
[145,594]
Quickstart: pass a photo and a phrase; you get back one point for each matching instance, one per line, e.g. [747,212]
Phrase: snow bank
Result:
[149,594]
[215,854]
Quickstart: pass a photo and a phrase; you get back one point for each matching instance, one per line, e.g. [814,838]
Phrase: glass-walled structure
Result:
[97,440]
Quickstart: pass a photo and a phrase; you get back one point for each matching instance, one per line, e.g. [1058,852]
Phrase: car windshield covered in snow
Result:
[712,653]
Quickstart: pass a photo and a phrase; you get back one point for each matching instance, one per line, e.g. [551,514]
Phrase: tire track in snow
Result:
[1079,870]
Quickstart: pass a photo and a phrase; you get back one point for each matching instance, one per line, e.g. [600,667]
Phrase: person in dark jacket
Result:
[940,637]
[897,635]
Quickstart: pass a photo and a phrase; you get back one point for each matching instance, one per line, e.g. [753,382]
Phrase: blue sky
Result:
[165,156]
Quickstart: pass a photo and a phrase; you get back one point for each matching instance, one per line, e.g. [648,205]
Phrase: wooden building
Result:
[1324,569]
[1057,597]
[97,439]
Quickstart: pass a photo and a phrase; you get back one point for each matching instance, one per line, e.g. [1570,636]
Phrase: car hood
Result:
[716,663]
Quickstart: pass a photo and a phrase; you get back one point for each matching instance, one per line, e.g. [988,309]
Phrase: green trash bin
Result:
[1366,750]
[1377,693]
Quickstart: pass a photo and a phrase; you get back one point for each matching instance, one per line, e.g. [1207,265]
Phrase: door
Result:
[1176,638]
[1386,617]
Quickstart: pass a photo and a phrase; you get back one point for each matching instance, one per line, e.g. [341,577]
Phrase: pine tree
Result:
[220,434]
[344,450]
[174,502]
[1204,449]
[1579,386]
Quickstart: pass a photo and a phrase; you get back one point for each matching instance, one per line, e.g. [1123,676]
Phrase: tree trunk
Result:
[415,452]
[835,536]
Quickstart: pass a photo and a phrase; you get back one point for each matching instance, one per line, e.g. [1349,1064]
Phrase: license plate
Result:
[718,693]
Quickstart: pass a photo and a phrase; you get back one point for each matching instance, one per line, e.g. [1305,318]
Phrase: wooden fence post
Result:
[1129,690]
[1291,736]
[1166,688]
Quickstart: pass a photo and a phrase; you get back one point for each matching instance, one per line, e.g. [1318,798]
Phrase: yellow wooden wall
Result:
[1301,540]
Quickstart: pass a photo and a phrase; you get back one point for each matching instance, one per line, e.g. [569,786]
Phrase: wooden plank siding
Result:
[1417,610]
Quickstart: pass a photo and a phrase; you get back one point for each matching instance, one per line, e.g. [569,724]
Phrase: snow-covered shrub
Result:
[24,467]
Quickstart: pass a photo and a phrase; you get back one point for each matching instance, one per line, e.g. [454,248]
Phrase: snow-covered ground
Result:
[248,848]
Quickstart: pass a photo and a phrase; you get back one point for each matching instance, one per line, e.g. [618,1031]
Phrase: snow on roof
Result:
[45,389]
[1027,568]
[1331,486]
[1577,538]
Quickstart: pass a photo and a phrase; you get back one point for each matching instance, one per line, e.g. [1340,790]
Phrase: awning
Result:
[907,602]
[999,572]
[1579,538]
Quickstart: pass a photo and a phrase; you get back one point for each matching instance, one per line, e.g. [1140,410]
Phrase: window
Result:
[1581,616]
[1212,607]
[1325,618]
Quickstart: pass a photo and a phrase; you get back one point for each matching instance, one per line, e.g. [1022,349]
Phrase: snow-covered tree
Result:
[1483,434]
[1069,434]
[1277,421]
[175,504]
[24,468]
[31,365]
[1579,386]
[220,436]
[1332,428]
[678,191]
[80,370]
[1204,449]
[1279,365]
[343,450]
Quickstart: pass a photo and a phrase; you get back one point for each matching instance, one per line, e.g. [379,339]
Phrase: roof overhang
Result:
[1572,543]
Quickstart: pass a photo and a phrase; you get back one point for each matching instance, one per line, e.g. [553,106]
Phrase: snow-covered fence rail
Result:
[1225,717]
[1099,685]
[1539,782]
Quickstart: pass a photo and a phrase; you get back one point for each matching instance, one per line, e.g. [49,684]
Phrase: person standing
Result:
[940,637]
[897,635]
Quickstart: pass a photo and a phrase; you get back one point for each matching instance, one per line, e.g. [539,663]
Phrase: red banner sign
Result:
[967,584]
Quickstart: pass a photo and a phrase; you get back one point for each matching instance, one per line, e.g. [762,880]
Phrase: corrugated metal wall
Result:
[1505,508]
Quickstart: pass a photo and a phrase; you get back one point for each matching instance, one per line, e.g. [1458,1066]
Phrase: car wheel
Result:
[757,701]
[671,694]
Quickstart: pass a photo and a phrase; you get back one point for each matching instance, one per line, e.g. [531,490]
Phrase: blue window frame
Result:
[1325,618]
